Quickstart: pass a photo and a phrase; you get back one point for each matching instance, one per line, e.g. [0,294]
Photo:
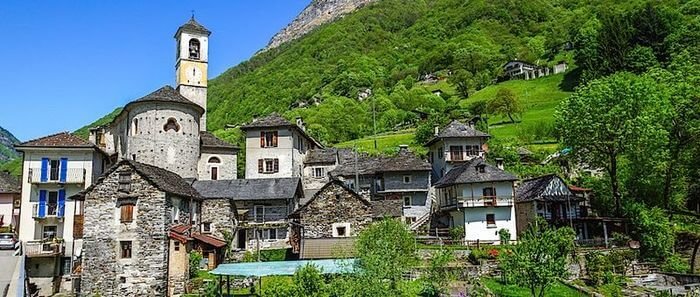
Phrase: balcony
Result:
[267,214]
[53,176]
[50,210]
[461,156]
[44,248]
[483,201]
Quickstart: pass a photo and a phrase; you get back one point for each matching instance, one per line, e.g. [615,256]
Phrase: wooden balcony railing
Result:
[44,248]
[480,201]
[458,156]
[267,214]
[73,176]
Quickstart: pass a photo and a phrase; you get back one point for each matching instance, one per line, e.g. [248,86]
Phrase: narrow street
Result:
[7,267]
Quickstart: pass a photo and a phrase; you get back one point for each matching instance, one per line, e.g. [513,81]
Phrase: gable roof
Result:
[8,183]
[333,182]
[58,140]
[544,188]
[275,120]
[457,129]
[166,94]
[387,208]
[192,26]
[469,173]
[326,155]
[404,161]
[209,140]
[165,180]
[250,189]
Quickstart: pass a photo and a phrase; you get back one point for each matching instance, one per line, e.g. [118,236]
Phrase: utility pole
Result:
[357,174]
[374,121]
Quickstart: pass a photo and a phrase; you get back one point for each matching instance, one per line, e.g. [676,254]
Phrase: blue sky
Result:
[67,63]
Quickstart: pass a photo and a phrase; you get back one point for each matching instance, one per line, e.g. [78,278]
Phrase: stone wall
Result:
[334,204]
[228,168]
[220,213]
[144,274]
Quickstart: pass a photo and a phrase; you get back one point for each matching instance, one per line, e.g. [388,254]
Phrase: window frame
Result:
[410,201]
[319,172]
[126,249]
[43,232]
[269,139]
[490,223]
[407,177]
[206,227]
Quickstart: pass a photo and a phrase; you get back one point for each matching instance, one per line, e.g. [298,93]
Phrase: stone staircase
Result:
[425,218]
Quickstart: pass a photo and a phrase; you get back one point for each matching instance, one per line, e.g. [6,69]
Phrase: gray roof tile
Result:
[469,173]
[193,26]
[537,189]
[457,129]
[210,140]
[387,208]
[250,189]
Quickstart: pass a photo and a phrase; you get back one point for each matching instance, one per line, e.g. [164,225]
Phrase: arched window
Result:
[214,167]
[171,125]
[194,49]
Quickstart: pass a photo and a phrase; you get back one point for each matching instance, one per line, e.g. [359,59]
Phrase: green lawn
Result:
[501,290]
[386,143]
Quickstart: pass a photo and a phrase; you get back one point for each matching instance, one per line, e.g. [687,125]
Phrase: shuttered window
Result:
[268,139]
[268,165]
[261,167]
[127,213]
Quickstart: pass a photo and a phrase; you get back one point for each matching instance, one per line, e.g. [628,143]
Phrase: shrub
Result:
[249,257]
[309,281]
[457,233]
[195,260]
[654,231]
[476,255]
[675,263]
[504,236]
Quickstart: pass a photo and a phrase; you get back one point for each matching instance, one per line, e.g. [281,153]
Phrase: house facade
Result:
[478,197]
[9,201]
[453,145]
[51,226]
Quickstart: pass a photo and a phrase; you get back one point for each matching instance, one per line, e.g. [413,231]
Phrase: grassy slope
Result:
[558,290]
[84,132]
[386,142]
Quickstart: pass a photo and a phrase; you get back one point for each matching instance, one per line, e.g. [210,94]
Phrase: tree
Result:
[540,258]
[308,280]
[608,118]
[654,231]
[505,103]
[463,81]
[386,250]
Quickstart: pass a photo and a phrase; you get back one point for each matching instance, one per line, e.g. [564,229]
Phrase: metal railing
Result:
[43,248]
[53,176]
[479,201]
[50,210]
[267,214]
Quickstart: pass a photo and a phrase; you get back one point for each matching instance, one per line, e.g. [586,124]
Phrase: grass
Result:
[386,143]
[501,290]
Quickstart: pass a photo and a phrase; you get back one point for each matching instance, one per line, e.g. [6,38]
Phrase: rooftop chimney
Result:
[499,163]
[437,130]
[301,124]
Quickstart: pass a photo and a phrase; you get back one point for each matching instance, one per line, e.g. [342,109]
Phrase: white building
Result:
[55,167]
[478,197]
[453,145]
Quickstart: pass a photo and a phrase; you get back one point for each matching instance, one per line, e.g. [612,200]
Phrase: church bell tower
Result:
[191,66]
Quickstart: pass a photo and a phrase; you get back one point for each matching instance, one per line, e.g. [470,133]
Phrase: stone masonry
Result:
[220,213]
[104,270]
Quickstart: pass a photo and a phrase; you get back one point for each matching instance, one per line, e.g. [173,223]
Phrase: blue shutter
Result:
[44,169]
[61,203]
[42,203]
[64,170]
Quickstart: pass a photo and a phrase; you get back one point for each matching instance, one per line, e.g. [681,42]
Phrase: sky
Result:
[68,63]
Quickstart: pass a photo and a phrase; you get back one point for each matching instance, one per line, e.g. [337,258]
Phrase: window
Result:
[440,154]
[214,160]
[206,227]
[52,203]
[49,232]
[406,179]
[407,201]
[125,247]
[177,245]
[268,139]
[176,210]
[194,49]
[268,165]
[491,220]
[125,181]
[489,192]
[214,173]
[319,172]
[171,124]
[456,153]
[481,168]
[127,213]
[341,231]
[54,169]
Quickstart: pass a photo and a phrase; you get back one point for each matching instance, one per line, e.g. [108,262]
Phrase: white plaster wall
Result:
[284,152]
[440,164]
[476,190]
[475,226]
[311,182]
[6,208]
[184,43]
[31,229]
[227,167]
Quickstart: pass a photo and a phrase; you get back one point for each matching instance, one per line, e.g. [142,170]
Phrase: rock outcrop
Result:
[7,140]
[317,13]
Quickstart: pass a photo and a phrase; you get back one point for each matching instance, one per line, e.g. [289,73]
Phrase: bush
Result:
[504,236]
[309,281]
[476,255]
[653,230]
[676,264]
[457,233]
[195,260]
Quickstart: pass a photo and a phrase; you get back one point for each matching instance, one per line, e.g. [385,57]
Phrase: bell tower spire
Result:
[191,64]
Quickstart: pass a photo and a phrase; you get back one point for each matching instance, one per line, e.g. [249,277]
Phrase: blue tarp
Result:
[332,266]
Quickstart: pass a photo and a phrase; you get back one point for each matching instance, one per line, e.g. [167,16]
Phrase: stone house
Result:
[9,201]
[479,197]
[453,145]
[321,226]
[129,212]
[318,164]
[276,148]
[262,207]
[54,168]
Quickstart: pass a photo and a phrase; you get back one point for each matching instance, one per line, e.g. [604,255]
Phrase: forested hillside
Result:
[7,151]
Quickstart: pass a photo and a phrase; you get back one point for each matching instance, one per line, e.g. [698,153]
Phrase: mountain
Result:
[7,142]
[317,13]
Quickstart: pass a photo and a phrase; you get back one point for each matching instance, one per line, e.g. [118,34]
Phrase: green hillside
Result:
[84,132]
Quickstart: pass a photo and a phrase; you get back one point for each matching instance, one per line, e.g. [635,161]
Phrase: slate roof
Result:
[469,173]
[8,183]
[332,182]
[63,139]
[456,129]
[326,155]
[165,180]
[387,208]
[274,120]
[166,94]
[210,140]
[193,26]
[367,165]
[249,189]
[534,189]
